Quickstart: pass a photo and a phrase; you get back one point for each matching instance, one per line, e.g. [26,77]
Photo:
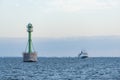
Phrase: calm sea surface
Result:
[60,69]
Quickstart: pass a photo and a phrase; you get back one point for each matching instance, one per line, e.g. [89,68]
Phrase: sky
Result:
[67,47]
[60,18]
[61,27]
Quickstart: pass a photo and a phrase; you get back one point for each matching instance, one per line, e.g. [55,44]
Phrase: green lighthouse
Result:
[29,56]
[30,30]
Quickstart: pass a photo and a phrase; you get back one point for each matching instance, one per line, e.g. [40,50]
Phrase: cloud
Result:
[64,5]
[77,5]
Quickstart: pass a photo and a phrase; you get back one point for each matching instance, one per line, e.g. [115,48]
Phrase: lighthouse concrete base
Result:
[30,57]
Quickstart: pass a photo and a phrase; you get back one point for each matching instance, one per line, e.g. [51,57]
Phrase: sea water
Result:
[60,69]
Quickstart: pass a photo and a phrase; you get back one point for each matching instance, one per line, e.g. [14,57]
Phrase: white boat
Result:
[83,54]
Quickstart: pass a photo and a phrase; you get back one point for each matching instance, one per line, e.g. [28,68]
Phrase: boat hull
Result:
[83,57]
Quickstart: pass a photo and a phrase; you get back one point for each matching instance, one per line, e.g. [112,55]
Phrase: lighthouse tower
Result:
[29,56]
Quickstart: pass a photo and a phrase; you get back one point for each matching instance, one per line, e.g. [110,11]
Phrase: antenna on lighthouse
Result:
[29,56]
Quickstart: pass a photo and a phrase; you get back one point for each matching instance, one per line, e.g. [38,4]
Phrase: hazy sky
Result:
[60,18]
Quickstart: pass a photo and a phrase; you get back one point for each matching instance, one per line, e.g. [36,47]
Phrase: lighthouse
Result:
[29,55]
